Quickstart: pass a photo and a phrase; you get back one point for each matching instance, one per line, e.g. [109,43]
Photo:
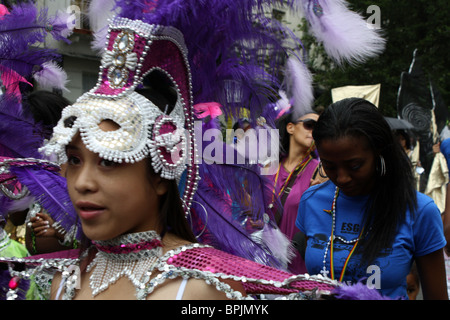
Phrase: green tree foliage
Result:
[407,25]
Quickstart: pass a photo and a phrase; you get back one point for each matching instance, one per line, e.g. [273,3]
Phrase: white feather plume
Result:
[299,87]
[345,34]
[99,14]
[277,243]
[51,76]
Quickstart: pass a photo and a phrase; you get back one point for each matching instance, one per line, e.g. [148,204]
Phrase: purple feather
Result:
[51,76]
[58,26]
[50,190]
[99,13]
[225,232]
[358,291]
[20,137]
[228,211]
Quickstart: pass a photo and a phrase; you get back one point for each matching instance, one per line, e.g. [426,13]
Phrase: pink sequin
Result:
[216,261]
[128,248]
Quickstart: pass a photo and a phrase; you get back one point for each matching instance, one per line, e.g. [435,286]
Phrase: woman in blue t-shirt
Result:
[368,223]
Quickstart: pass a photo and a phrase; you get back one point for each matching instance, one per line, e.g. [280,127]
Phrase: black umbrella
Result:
[398,124]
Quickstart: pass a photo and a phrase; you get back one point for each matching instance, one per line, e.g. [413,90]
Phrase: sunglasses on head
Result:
[308,124]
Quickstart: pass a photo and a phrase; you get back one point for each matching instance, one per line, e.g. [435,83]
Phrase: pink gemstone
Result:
[14,283]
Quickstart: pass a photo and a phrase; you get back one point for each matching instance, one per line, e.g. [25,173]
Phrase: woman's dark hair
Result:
[394,191]
[159,89]
[171,214]
[281,124]
[405,136]
[46,108]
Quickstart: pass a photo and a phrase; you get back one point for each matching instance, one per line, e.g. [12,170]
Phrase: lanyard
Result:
[300,167]
[333,213]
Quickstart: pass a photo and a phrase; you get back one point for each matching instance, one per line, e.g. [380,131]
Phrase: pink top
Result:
[287,222]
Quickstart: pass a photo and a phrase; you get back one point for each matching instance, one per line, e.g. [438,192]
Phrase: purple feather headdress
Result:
[229,41]
[228,44]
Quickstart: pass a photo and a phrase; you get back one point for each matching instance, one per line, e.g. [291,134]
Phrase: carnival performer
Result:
[368,223]
[129,146]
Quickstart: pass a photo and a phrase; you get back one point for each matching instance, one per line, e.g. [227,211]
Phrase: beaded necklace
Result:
[330,243]
[132,255]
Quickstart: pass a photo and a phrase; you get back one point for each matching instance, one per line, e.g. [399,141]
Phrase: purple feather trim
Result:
[358,291]
[228,212]
[50,190]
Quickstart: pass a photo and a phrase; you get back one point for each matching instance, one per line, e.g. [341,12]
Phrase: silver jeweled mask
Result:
[133,50]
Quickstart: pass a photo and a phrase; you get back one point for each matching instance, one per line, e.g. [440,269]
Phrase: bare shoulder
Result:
[55,285]
[197,289]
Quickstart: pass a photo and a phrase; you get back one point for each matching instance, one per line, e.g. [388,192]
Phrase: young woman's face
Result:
[110,198]
[301,131]
[350,163]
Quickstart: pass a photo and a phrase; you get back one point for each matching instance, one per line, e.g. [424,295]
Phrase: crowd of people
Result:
[117,206]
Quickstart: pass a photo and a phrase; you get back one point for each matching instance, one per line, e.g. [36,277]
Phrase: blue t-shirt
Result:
[417,236]
[445,150]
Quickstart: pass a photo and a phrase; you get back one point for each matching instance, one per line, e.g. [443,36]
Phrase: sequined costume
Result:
[190,261]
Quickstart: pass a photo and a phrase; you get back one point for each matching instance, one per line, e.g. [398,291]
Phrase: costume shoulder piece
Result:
[191,261]
[212,264]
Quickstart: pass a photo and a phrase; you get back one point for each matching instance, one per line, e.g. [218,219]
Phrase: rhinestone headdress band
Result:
[133,50]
